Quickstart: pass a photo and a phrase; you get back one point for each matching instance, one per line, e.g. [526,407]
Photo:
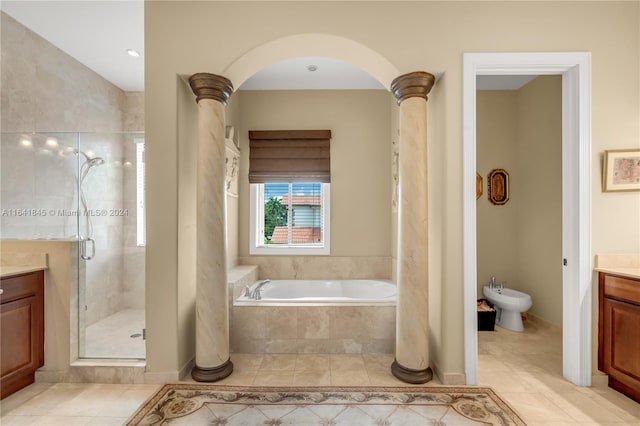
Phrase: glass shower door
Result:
[111,245]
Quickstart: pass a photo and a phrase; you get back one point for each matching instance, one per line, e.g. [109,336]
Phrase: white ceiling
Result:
[292,74]
[98,33]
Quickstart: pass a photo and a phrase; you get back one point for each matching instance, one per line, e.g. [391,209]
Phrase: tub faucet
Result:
[255,295]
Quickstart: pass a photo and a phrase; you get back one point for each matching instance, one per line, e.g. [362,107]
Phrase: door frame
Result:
[575,68]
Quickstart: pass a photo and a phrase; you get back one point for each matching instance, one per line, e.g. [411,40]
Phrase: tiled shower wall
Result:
[46,90]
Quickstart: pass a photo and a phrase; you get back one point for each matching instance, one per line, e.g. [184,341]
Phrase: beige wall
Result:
[521,242]
[180,40]
[497,227]
[360,158]
[233,118]
[538,185]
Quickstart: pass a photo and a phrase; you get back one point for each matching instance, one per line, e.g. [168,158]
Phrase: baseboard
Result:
[169,377]
[448,378]
[534,318]
[600,380]
[90,372]
[49,376]
[186,370]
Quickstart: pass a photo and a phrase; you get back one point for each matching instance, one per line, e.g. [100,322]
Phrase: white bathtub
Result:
[322,292]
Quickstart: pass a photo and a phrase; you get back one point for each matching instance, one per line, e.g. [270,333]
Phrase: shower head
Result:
[95,161]
[88,165]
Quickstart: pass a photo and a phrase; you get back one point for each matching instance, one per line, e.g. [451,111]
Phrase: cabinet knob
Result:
[1,291]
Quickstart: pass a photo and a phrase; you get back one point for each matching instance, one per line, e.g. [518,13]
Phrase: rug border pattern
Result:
[161,393]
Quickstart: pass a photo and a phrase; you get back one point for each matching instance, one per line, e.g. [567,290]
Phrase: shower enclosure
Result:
[87,188]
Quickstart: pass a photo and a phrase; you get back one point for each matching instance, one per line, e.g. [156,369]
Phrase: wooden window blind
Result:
[289,156]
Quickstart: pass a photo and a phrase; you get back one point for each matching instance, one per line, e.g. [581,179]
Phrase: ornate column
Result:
[411,363]
[212,310]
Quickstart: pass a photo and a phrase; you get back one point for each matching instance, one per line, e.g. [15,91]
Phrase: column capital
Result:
[414,84]
[211,86]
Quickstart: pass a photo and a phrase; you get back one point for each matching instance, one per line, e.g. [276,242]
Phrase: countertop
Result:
[16,263]
[10,271]
[623,272]
[625,265]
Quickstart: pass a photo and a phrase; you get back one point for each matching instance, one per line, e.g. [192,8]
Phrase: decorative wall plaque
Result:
[498,186]
[232,163]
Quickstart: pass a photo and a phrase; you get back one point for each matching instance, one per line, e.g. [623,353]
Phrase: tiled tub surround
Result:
[313,329]
[354,329]
[320,267]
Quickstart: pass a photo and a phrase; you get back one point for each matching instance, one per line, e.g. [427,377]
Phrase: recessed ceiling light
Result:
[312,68]
[133,52]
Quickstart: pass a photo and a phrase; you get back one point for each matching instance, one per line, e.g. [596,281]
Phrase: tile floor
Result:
[524,368]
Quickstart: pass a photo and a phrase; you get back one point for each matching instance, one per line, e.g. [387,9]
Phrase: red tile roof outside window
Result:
[299,235]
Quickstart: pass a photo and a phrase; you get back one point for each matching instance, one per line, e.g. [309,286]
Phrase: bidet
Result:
[509,305]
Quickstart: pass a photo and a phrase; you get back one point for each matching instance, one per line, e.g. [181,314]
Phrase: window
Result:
[289,176]
[290,218]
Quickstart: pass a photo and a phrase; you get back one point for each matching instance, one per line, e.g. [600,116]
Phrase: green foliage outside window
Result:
[275,214]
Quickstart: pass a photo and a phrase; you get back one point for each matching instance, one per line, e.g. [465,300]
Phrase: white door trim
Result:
[575,68]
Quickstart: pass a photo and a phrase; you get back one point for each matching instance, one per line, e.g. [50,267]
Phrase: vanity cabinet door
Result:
[21,331]
[621,346]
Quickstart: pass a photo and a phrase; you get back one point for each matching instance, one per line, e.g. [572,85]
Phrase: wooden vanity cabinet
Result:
[619,332]
[22,330]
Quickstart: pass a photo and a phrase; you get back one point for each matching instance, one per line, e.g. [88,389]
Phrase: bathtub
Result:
[322,292]
[315,317]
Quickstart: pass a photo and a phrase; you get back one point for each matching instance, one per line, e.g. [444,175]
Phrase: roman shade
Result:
[289,156]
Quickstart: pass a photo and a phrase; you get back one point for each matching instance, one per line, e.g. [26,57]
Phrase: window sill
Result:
[289,251]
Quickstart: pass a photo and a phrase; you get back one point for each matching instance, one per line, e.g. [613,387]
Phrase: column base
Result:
[212,374]
[409,375]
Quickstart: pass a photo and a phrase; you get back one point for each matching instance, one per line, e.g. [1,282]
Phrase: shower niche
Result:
[86,188]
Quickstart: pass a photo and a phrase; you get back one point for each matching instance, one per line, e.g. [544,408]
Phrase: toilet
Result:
[509,304]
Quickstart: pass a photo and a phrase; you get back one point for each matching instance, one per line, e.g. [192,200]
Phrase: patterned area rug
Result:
[206,404]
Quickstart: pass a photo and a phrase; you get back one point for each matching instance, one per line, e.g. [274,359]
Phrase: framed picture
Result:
[498,186]
[621,170]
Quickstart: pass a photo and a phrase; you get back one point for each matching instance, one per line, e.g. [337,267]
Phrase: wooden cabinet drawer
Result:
[22,330]
[622,289]
[619,332]
[20,286]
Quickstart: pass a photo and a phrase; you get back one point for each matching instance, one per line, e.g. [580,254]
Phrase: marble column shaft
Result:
[412,313]
[212,313]
[212,310]
[412,350]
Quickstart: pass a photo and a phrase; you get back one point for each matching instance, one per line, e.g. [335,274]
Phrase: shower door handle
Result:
[84,254]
